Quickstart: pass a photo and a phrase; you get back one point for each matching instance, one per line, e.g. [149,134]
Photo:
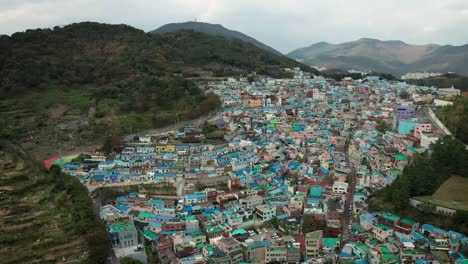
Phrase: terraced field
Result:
[36,221]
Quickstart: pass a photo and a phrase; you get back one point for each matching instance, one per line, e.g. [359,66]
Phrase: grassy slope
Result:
[451,194]
[38,221]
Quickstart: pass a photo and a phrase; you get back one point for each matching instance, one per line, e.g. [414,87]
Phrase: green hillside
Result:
[45,218]
[450,194]
[215,30]
[77,84]
[444,81]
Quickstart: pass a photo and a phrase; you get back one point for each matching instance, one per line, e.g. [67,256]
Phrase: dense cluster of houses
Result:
[291,146]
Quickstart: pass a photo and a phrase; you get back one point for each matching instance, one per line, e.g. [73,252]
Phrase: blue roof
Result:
[122,199]
[417,235]
[122,207]
[434,229]
[196,196]
[345,255]
[98,177]
[282,216]
[155,224]
[157,202]
[457,235]
[368,216]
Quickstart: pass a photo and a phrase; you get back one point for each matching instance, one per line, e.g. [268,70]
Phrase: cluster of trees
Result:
[426,173]
[455,117]
[444,81]
[338,75]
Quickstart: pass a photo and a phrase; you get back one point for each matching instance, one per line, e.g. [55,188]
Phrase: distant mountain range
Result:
[215,30]
[395,57]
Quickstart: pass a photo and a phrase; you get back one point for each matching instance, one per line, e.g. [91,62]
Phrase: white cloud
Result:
[284,25]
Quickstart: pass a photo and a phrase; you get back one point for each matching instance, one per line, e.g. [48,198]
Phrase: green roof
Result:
[400,157]
[214,229]
[144,215]
[386,257]
[363,247]
[390,216]
[278,249]
[355,228]
[200,245]
[121,226]
[151,234]
[197,234]
[330,242]
[238,232]
[407,221]
[384,249]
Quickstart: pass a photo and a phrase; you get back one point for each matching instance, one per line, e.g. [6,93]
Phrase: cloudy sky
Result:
[281,24]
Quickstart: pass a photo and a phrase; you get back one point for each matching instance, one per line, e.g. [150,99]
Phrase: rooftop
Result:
[121,226]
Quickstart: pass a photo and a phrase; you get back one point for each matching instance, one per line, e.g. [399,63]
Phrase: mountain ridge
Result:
[213,29]
[393,56]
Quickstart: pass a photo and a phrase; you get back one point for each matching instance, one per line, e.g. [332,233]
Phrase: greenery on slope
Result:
[455,117]
[444,81]
[339,75]
[213,29]
[45,217]
[423,176]
[76,85]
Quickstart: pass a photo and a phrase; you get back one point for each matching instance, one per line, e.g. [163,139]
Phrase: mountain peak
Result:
[392,56]
[368,40]
[215,30]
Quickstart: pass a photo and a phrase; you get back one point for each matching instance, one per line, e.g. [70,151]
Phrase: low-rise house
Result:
[382,232]
[265,212]
[313,243]
[275,254]
[123,234]
[232,248]
[340,187]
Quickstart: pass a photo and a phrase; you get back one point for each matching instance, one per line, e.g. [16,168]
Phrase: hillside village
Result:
[287,182]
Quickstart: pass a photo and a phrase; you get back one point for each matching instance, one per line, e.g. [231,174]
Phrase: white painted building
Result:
[340,187]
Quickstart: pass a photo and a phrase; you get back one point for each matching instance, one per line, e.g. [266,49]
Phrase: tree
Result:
[401,192]
[404,95]
[382,125]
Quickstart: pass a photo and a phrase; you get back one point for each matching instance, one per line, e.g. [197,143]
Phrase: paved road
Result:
[346,221]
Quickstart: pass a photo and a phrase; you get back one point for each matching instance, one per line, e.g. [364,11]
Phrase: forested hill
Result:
[215,30]
[100,54]
[84,81]
[444,81]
